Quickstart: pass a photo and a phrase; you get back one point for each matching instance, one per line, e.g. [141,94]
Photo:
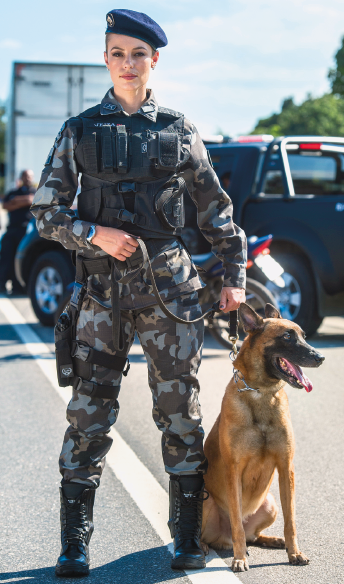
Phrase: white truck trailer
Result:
[43,96]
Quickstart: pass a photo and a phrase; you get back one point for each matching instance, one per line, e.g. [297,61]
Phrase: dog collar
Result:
[232,356]
[237,378]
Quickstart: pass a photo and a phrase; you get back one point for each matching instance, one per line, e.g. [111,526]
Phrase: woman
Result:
[136,159]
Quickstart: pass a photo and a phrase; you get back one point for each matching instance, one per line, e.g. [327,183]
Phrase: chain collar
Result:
[236,372]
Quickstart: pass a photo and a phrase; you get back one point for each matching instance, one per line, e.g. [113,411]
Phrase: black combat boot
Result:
[185,523]
[76,529]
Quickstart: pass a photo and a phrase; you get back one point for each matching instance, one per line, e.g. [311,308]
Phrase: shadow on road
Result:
[149,566]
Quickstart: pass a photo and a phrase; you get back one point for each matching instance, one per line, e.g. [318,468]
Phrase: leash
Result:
[117,278]
[233,335]
[233,338]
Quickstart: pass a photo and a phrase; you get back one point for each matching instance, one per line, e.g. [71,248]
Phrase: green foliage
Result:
[321,116]
[336,76]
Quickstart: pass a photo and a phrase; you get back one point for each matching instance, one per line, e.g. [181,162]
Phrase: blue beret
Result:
[137,25]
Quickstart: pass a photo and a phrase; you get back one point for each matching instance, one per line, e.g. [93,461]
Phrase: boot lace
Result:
[76,523]
[188,522]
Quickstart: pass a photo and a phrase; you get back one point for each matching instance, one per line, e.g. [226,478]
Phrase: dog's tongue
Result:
[301,376]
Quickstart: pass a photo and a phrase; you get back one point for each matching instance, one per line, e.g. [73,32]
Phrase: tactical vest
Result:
[129,166]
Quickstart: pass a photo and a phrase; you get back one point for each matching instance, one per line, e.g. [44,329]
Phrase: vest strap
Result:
[124,215]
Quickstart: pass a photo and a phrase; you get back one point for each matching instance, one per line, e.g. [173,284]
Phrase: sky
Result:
[228,62]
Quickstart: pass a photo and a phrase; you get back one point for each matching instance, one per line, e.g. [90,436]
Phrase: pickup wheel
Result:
[297,301]
[257,295]
[49,278]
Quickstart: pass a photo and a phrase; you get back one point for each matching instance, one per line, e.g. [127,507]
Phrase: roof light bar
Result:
[254,138]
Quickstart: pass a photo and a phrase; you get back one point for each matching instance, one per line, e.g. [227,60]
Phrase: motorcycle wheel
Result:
[257,295]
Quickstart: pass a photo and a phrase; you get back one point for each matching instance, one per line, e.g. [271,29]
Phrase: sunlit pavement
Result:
[125,548]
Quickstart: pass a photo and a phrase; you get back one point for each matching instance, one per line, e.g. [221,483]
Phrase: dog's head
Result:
[280,345]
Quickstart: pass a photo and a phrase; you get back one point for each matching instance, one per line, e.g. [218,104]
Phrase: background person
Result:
[135,158]
[17,203]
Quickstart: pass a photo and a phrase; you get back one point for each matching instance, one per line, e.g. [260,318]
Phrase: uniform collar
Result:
[110,105]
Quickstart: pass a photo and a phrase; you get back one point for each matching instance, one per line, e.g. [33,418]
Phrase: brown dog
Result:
[253,436]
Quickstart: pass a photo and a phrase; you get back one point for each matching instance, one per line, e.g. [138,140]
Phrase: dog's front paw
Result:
[298,559]
[240,565]
[205,547]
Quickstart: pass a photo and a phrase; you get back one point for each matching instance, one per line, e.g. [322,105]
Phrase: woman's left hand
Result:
[231,298]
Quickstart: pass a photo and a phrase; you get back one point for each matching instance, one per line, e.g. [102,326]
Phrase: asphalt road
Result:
[125,548]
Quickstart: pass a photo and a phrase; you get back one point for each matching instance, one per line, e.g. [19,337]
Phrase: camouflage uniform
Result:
[172,350]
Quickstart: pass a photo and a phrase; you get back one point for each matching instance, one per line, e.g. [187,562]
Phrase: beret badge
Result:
[110,20]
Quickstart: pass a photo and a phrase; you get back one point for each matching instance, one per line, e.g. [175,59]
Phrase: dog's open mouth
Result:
[294,374]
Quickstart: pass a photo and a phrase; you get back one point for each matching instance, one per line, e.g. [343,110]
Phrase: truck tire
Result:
[49,278]
[257,295]
[298,301]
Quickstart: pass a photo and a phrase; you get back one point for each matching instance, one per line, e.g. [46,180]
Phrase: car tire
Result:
[257,296]
[298,301]
[49,278]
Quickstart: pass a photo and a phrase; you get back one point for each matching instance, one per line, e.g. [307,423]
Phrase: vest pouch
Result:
[89,203]
[164,149]
[169,204]
[63,344]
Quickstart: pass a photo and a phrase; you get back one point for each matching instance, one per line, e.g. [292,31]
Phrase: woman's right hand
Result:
[115,242]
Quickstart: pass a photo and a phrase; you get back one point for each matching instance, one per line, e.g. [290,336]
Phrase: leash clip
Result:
[234,350]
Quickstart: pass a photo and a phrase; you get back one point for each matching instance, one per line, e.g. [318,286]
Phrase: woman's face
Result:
[129,61]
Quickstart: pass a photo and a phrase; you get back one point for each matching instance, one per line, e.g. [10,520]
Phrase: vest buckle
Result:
[125,187]
[124,215]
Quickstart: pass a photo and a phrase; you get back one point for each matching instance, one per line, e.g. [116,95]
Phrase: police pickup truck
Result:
[290,187]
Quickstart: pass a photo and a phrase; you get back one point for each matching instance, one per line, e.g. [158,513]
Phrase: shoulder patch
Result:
[91,112]
[169,112]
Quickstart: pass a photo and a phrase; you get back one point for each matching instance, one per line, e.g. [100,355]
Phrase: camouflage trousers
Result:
[173,353]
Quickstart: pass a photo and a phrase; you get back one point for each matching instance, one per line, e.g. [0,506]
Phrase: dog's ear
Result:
[250,320]
[271,311]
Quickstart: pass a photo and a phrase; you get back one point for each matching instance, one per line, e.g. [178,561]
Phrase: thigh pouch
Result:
[74,359]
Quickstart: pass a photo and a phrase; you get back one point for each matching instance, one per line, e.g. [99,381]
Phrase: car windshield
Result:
[317,173]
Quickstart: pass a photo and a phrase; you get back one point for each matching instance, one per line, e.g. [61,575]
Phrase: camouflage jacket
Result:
[175,273]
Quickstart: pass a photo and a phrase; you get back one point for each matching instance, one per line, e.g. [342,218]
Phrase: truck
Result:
[293,188]
[289,187]
[42,97]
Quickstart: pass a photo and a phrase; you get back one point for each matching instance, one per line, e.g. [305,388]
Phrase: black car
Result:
[45,268]
[292,187]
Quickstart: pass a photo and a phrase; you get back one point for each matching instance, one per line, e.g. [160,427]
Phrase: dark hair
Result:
[107,34]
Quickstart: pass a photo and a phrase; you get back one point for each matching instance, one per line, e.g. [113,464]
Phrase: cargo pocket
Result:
[179,265]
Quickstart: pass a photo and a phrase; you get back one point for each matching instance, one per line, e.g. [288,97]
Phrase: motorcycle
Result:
[263,268]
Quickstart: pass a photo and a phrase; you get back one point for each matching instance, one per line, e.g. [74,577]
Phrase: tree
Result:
[321,116]
[336,76]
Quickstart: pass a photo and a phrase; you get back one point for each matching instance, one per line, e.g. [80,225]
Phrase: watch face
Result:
[91,233]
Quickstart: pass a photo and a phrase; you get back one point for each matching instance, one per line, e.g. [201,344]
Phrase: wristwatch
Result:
[91,234]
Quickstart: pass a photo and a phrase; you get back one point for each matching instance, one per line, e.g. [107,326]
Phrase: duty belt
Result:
[86,267]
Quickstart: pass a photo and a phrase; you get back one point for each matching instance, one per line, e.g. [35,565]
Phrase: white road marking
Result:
[17,579]
[138,481]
